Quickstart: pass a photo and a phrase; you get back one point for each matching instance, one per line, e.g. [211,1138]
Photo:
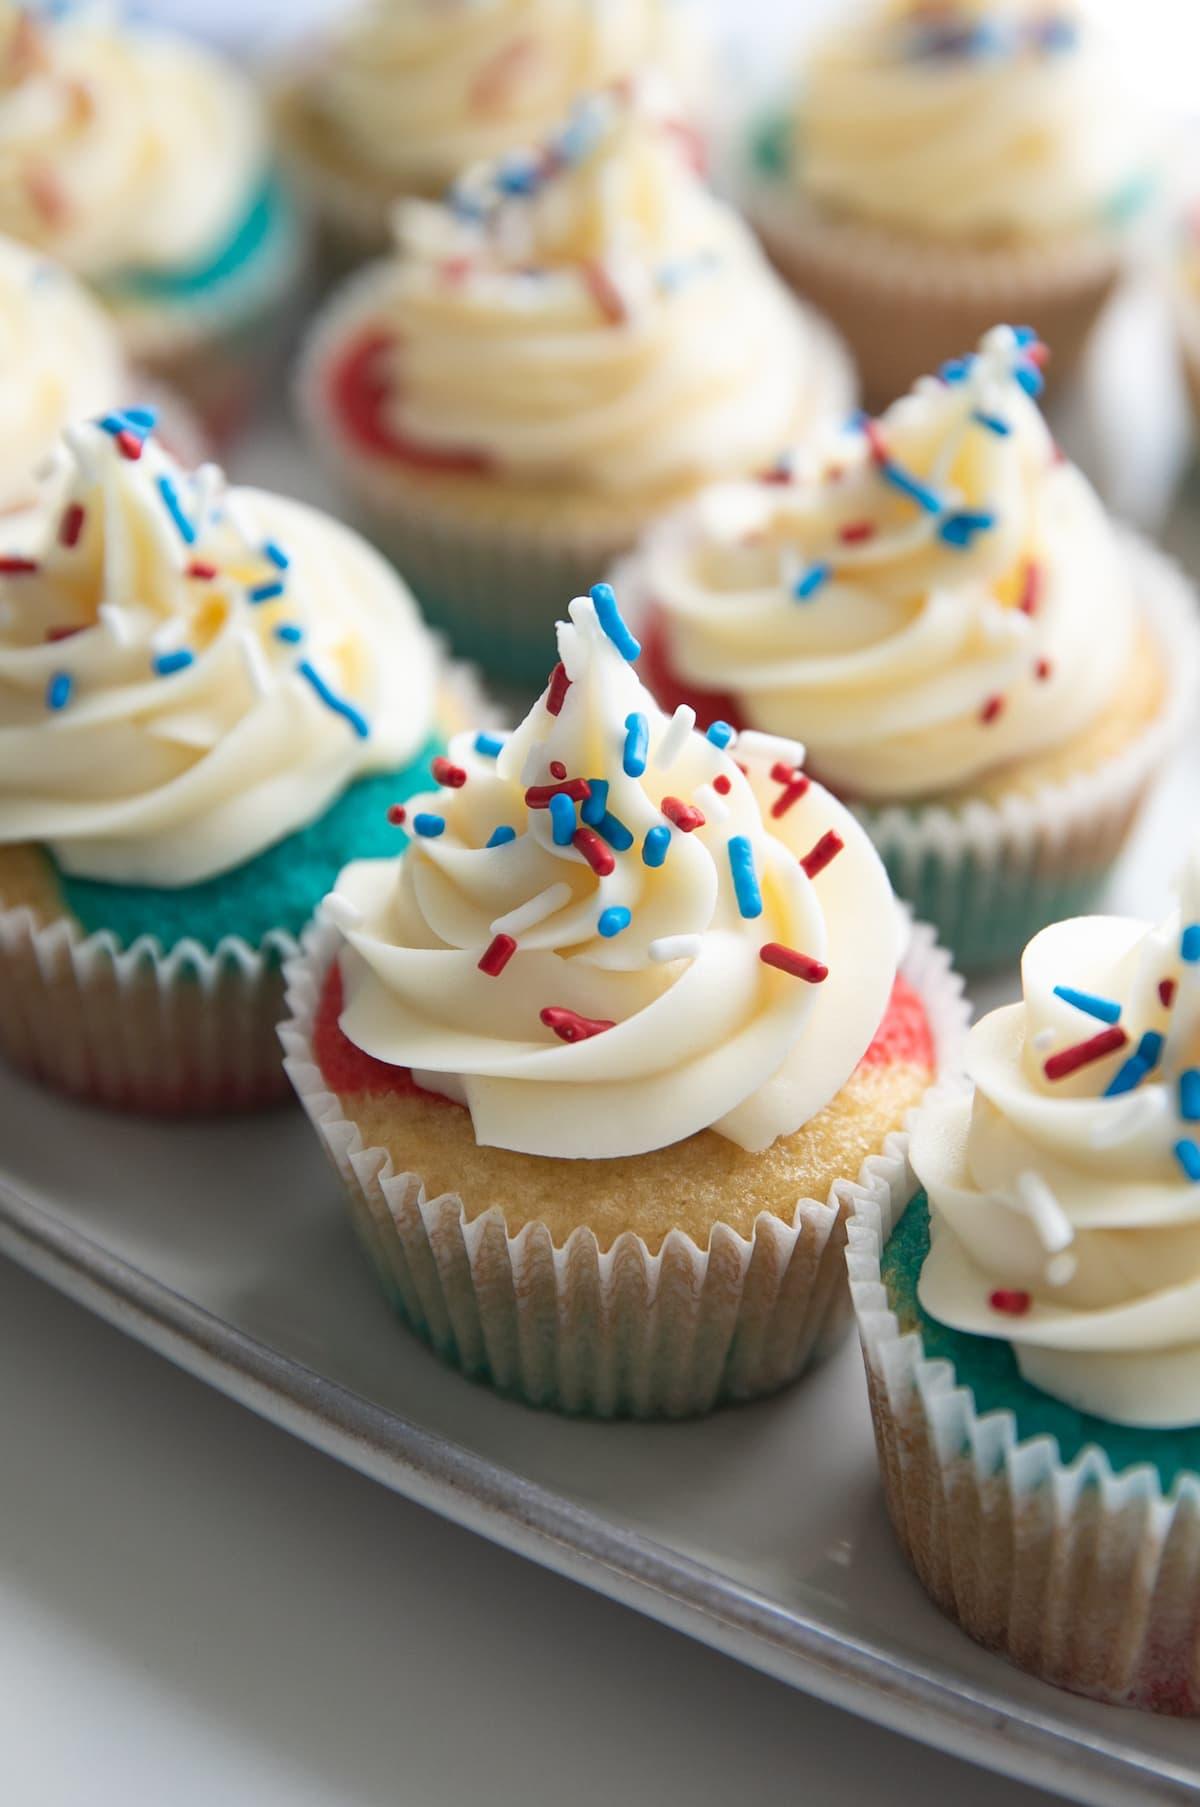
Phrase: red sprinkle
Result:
[397,815]
[1012,1304]
[1042,670]
[71,525]
[604,292]
[557,769]
[497,955]
[874,436]
[454,270]
[788,960]
[1082,1054]
[447,773]
[791,795]
[991,709]
[1166,993]
[598,856]
[46,193]
[855,532]
[13,566]
[826,849]
[556,695]
[571,1027]
[1031,589]
[1037,354]
[201,568]
[684,816]
[492,86]
[54,634]
[538,795]
[778,475]
[783,773]
[128,444]
[722,784]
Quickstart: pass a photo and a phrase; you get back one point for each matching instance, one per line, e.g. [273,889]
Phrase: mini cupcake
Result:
[1032,1331]
[936,604]
[945,166]
[547,364]
[404,94]
[603,1059]
[207,698]
[141,162]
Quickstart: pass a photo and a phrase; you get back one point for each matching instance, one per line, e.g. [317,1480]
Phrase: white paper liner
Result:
[185,1031]
[621,1332]
[1087,1578]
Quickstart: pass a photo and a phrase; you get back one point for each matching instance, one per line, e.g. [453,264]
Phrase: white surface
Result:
[195,1609]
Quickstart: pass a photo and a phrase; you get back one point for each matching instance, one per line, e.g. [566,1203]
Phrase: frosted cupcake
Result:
[942,167]
[546,364]
[404,94]
[1032,1337]
[937,605]
[208,697]
[603,1058]
[141,162]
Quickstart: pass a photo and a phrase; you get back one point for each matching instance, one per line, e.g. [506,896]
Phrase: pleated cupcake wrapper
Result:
[185,1031]
[617,1332]
[905,306]
[1087,1578]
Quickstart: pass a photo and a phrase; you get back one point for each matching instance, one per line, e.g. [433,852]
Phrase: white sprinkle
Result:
[116,620]
[255,660]
[1051,1223]
[1044,1040]
[674,947]
[1062,1270]
[711,804]
[770,747]
[338,909]
[527,915]
[169,634]
[676,737]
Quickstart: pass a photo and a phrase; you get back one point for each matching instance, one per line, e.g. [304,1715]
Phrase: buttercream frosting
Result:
[969,121]
[419,89]
[189,672]
[564,318]
[609,932]
[1065,1194]
[121,146]
[60,359]
[925,599]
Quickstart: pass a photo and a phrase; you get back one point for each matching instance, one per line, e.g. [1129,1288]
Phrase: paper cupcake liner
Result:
[989,875]
[1087,1578]
[617,1332]
[905,306]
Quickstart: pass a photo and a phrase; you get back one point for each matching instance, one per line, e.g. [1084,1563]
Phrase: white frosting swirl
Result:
[984,119]
[1067,1220]
[564,320]
[60,359]
[188,673]
[659,950]
[914,641]
[419,89]
[121,147]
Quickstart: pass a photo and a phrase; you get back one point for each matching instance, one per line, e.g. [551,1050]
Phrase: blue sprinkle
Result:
[1188,1156]
[429,826]
[1025,335]
[333,701]
[266,592]
[654,847]
[637,745]
[993,423]
[614,832]
[1102,1008]
[112,423]
[1150,1048]
[613,622]
[957,370]
[613,920]
[594,808]
[277,555]
[144,419]
[1031,379]
[1189,947]
[58,690]
[1189,1095]
[517,176]
[501,836]
[562,820]
[1058,34]
[807,586]
[167,664]
[166,490]
[489,745]
[908,486]
[1127,1078]
[720,733]
[961,529]
[745,879]
[289,633]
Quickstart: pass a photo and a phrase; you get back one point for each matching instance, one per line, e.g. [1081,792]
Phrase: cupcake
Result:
[945,166]
[142,162]
[603,1059]
[547,363]
[937,605]
[1031,1324]
[208,697]
[402,95]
